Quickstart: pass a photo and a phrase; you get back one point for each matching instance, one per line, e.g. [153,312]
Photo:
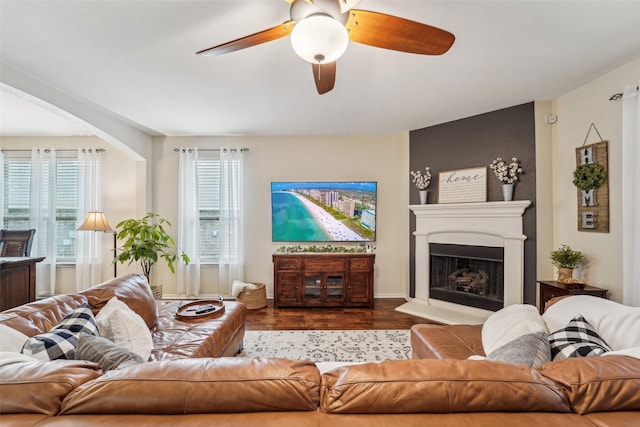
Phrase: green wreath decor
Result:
[589,176]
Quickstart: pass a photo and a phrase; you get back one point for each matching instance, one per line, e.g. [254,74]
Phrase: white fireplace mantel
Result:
[495,224]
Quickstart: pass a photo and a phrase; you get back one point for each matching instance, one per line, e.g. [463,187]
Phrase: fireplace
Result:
[494,228]
[467,275]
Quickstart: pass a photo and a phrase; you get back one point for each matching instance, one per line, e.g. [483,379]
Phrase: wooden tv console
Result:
[323,280]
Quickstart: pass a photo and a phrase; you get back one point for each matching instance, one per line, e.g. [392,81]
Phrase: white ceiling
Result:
[136,60]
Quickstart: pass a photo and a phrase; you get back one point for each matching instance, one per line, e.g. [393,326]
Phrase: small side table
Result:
[551,288]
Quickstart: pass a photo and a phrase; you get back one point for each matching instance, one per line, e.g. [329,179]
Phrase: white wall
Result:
[381,158]
[576,111]
[544,193]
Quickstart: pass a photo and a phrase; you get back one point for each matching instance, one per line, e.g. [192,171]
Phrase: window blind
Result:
[208,193]
[17,192]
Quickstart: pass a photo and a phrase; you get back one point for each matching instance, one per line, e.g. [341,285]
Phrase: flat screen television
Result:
[338,211]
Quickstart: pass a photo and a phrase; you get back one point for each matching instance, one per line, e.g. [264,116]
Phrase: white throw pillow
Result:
[117,322]
[509,323]
[11,339]
[617,324]
[8,357]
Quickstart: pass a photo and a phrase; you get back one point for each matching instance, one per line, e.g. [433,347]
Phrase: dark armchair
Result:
[16,243]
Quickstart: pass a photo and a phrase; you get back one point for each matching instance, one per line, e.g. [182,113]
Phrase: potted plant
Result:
[565,259]
[147,241]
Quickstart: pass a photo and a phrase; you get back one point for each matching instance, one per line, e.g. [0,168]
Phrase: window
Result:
[208,193]
[17,192]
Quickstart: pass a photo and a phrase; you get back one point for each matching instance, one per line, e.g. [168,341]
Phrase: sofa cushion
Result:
[577,339]
[599,384]
[60,342]
[194,386]
[104,352]
[132,289]
[39,387]
[509,323]
[438,386]
[530,349]
[118,323]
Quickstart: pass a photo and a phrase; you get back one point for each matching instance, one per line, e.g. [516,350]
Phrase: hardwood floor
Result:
[381,316]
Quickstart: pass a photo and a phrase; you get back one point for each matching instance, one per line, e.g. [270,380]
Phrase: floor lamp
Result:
[97,221]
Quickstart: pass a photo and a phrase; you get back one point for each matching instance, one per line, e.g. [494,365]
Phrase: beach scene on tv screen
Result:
[323,211]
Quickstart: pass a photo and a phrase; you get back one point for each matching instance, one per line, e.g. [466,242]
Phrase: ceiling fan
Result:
[320,31]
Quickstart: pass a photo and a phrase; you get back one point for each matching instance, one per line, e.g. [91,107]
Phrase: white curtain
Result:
[231,264]
[631,196]
[89,244]
[188,223]
[1,190]
[42,217]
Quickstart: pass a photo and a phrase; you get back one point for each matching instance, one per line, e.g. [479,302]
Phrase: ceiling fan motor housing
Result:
[300,9]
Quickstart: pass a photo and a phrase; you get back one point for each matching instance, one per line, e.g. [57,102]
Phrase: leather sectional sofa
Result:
[184,384]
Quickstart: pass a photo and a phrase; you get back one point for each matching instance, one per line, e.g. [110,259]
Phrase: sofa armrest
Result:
[41,315]
[446,341]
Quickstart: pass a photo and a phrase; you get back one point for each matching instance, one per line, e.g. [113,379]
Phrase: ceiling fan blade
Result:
[274,33]
[391,32]
[325,76]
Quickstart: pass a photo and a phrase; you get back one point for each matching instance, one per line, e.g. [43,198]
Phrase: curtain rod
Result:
[617,96]
[48,150]
[177,150]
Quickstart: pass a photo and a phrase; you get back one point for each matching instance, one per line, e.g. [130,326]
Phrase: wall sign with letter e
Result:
[593,204]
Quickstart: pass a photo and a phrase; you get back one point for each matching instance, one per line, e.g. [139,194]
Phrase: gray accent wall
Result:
[474,142]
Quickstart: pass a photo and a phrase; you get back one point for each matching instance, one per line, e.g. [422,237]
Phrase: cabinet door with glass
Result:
[323,288]
[334,288]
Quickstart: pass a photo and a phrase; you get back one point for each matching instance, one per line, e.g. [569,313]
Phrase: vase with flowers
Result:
[508,174]
[422,181]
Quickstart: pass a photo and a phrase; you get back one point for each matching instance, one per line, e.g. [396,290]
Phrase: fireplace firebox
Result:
[467,275]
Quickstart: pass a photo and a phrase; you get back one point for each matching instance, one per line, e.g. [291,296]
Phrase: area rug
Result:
[330,346]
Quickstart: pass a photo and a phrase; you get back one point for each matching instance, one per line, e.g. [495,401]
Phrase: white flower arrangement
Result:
[506,173]
[421,181]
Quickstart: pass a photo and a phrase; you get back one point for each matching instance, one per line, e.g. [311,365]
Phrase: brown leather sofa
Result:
[214,337]
[238,391]
[604,391]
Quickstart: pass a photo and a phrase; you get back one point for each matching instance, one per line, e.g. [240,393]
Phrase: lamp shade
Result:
[95,221]
[319,39]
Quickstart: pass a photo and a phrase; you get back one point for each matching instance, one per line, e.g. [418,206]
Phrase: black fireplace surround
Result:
[467,275]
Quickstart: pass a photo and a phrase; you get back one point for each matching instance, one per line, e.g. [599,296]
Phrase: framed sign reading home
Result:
[463,185]
[592,181]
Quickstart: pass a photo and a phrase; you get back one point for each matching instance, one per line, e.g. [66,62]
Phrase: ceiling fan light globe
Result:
[319,39]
